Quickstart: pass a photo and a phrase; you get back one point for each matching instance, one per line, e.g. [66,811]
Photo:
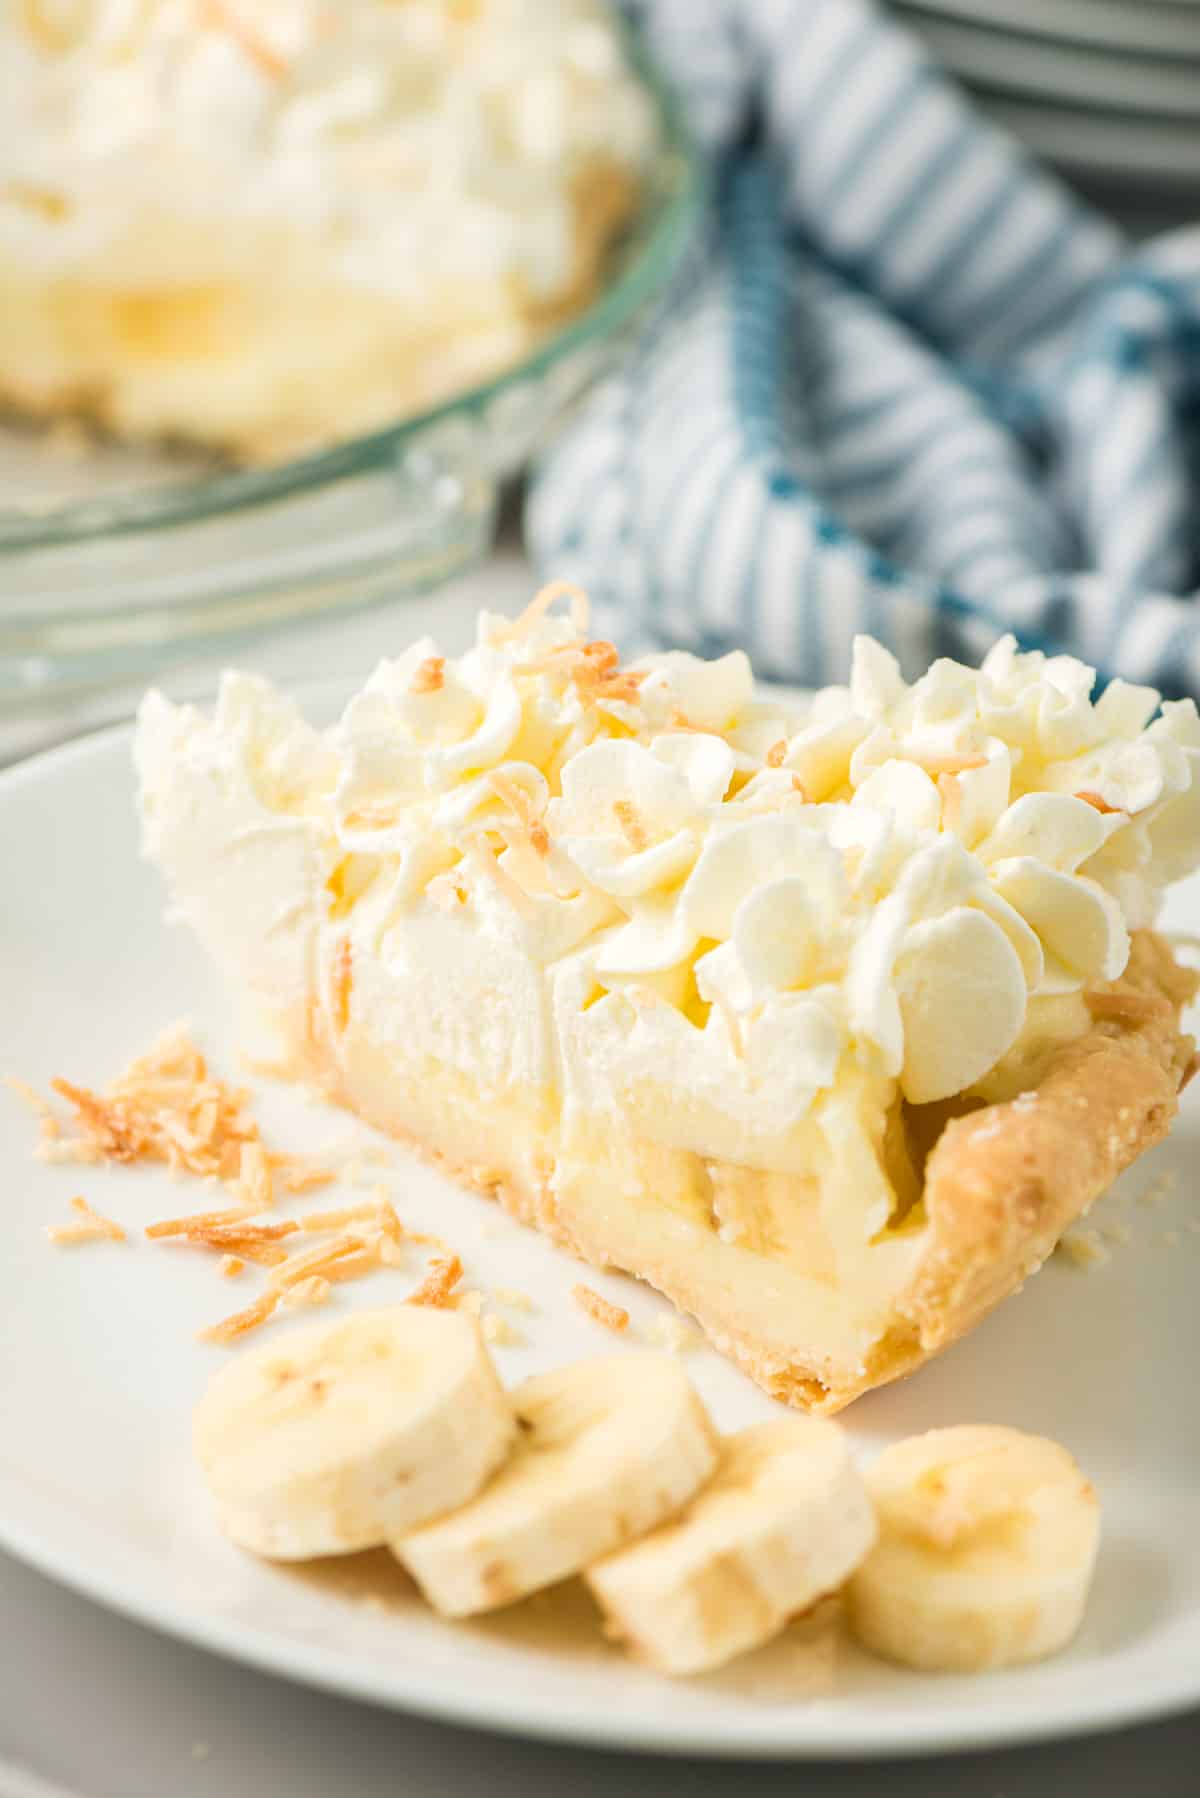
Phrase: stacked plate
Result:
[1107,89]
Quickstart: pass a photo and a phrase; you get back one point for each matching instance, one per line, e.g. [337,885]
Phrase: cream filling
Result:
[769,1235]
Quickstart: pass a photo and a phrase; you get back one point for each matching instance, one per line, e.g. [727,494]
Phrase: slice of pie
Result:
[826,1021]
[258,225]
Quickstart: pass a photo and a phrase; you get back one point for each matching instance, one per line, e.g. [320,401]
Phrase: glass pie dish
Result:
[115,561]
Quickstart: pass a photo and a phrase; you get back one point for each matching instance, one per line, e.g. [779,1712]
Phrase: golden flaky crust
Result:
[1001,1184]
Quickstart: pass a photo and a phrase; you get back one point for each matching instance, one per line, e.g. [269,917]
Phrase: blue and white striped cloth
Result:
[906,384]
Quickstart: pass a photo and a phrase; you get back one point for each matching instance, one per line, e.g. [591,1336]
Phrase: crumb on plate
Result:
[673,1334]
[613,1317]
[441,1277]
[1084,1249]
[91,1227]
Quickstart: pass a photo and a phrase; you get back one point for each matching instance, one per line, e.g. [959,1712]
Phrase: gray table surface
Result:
[92,1706]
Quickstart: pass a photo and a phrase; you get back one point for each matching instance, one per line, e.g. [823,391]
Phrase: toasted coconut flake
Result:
[92,1227]
[429,676]
[295,1177]
[679,720]
[613,1317]
[109,1130]
[318,1260]
[631,826]
[514,796]
[164,1107]
[29,1097]
[427,1239]
[1097,801]
[935,764]
[561,662]
[225,16]
[232,1266]
[314,1221]
[623,687]
[482,858]
[254,1176]
[951,792]
[540,604]
[199,1220]
[313,1291]
[389,1221]
[265,1254]
[594,669]
[357,1267]
[776,753]
[527,813]
[340,984]
[242,1236]
[240,1322]
[441,1277]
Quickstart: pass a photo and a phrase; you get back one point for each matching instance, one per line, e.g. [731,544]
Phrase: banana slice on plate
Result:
[606,1450]
[784,1521]
[987,1542]
[339,1436]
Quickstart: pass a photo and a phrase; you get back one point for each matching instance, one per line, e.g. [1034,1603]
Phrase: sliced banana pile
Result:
[964,1549]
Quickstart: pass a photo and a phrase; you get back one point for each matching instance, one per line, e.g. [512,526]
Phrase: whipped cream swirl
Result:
[886,878]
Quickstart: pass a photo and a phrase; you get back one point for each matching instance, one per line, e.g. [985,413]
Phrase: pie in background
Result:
[260,225]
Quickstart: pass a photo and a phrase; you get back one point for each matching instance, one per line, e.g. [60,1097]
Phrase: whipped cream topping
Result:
[881,884]
[426,140]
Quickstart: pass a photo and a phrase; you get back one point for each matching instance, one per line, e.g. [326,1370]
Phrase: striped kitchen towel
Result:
[906,384]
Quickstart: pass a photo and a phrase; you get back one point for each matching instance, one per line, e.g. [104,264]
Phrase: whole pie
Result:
[259,224]
[825,1019]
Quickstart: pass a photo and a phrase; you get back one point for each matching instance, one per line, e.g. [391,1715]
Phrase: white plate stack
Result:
[1107,89]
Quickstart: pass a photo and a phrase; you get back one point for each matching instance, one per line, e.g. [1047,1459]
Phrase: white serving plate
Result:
[101,1370]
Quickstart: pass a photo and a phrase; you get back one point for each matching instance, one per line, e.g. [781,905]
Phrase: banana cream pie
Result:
[244,223]
[827,1020]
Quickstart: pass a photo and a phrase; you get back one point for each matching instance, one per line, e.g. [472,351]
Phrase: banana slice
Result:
[784,1520]
[987,1542]
[606,1450]
[339,1436]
